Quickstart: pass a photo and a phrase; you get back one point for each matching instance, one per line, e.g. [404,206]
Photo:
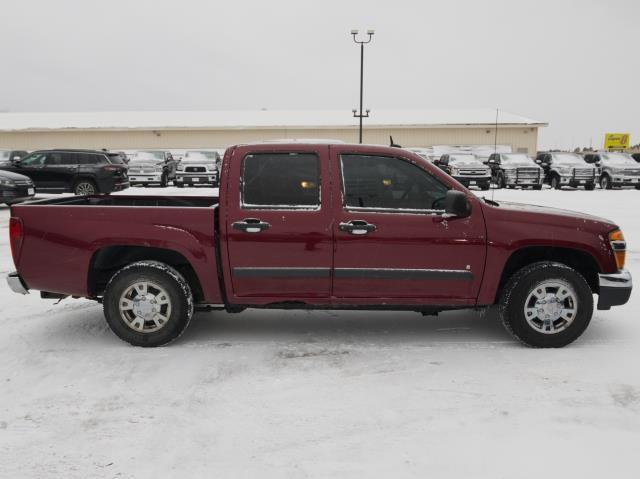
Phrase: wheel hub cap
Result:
[145,307]
[551,306]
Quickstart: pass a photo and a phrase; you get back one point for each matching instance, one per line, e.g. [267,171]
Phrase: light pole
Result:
[362,43]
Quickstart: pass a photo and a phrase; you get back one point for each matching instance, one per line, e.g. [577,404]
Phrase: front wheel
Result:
[590,186]
[555,182]
[546,305]
[148,303]
[605,182]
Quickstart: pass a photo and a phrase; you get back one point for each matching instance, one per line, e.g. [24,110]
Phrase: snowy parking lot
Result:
[321,394]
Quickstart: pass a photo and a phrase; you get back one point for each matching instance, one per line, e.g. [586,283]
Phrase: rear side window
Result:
[387,183]
[116,159]
[281,180]
[90,159]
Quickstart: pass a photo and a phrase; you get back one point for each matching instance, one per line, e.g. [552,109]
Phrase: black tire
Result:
[485,186]
[637,187]
[500,183]
[517,290]
[164,180]
[605,182]
[180,185]
[85,187]
[537,187]
[180,300]
[590,186]
[555,182]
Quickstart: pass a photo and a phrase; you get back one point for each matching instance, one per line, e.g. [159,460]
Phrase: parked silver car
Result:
[515,169]
[567,169]
[198,167]
[617,169]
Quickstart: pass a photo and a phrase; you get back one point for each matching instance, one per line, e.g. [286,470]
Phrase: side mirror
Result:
[491,162]
[457,204]
[443,161]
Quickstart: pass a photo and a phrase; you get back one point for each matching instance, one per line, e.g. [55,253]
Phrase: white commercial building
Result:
[218,129]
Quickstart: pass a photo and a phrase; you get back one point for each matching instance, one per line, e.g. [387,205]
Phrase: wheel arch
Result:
[108,260]
[581,261]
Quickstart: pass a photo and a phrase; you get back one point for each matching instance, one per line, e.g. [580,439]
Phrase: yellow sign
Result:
[616,141]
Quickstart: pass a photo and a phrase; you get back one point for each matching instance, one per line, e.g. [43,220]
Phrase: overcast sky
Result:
[573,64]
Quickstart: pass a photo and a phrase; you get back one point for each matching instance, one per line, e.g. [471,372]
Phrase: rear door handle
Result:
[251,225]
[357,227]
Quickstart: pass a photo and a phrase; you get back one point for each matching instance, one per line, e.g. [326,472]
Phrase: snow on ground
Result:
[321,394]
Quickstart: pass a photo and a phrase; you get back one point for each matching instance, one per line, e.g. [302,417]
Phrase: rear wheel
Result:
[85,187]
[148,304]
[546,305]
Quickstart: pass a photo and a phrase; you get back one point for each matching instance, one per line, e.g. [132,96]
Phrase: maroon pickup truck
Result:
[326,226]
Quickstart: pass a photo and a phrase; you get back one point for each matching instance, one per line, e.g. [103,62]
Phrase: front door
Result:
[278,224]
[33,167]
[392,244]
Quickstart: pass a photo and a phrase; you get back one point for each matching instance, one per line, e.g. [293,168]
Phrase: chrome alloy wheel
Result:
[551,306]
[85,189]
[145,307]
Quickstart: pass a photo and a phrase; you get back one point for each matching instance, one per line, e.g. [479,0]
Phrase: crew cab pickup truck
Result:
[509,170]
[324,226]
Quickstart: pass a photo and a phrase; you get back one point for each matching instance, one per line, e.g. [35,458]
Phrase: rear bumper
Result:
[615,289]
[16,284]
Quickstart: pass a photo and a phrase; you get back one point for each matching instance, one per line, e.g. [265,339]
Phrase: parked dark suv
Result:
[83,172]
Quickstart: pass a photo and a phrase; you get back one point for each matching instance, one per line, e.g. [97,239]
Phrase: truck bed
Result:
[65,238]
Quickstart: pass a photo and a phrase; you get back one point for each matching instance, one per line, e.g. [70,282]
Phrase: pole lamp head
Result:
[354,32]
[370,32]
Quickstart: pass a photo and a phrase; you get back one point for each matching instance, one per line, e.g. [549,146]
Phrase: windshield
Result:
[516,158]
[463,159]
[617,157]
[206,156]
[569,158]
[148,156]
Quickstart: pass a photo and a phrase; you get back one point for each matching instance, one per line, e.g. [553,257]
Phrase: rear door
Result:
[59,170]
[278,224]
[391,243]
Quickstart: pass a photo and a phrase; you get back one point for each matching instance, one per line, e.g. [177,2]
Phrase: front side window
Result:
[387,183]
[281,180]
[34,159]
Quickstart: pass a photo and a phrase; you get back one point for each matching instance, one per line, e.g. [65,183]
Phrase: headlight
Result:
[564,171]
[619,247]
[180,168]
[617,171]
[212,168]
[6,182]
[454,171]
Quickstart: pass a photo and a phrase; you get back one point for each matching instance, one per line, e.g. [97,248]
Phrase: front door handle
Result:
[251,225]
[357,227]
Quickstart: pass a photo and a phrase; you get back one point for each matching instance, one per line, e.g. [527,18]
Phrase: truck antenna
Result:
[495,149]
[392,144]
